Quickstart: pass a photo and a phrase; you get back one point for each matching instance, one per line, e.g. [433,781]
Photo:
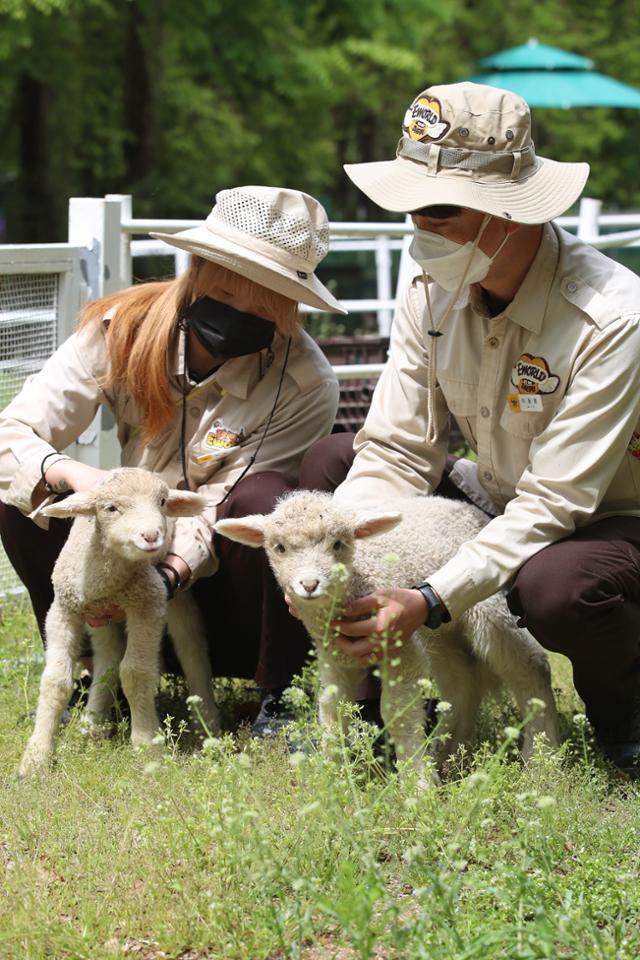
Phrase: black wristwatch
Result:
[437,613]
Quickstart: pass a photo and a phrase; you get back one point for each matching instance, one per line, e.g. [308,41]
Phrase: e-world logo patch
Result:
[532,375]
[220,438]
[423,120]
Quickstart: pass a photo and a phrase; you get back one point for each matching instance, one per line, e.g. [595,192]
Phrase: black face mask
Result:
[226,332]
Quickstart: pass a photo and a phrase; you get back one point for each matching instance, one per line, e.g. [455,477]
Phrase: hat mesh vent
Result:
[265,221]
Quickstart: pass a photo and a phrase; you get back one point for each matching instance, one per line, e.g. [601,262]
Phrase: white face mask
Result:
[452,265]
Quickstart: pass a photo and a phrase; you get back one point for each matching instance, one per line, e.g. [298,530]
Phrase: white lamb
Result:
[322,557]
[121,530]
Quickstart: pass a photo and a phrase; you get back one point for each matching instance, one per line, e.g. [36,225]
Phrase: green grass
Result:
[245,851]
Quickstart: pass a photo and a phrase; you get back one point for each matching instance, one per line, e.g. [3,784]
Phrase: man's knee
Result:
[563,600]
[256,493]
[327,462]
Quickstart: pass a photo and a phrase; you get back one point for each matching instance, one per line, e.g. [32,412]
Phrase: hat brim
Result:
[403,185]
[203,242]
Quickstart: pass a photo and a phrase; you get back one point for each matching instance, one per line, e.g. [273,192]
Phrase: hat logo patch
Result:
[423,120]
[532,375]
[634,445]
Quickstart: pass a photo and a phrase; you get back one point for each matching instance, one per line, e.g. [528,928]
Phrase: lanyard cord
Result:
[183,423]
[435,332]
[268,424]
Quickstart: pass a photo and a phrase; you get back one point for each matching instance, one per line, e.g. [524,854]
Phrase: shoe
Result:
[623,754]
[79,695]
[273,716]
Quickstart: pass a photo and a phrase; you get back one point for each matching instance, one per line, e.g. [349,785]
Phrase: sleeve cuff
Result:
[195,545]
[20,491]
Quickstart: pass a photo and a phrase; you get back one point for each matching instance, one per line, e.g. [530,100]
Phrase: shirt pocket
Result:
[462,401]
[528,424]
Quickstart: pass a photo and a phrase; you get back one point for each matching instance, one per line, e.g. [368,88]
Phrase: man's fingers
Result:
[355,648]
[104,617]
[363,606]
[356,628]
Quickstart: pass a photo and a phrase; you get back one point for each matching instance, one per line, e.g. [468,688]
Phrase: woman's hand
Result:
[292,609]
[377,622]
[104,616]
[76,475]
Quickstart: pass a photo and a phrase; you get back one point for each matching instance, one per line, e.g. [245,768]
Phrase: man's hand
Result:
[373,623]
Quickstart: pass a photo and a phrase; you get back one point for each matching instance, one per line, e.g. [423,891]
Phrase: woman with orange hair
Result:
[214,385]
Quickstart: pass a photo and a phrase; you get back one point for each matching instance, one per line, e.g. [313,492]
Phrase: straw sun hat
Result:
[270,235]
[470,145]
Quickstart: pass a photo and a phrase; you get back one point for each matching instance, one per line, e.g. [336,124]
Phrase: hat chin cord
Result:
[436,332]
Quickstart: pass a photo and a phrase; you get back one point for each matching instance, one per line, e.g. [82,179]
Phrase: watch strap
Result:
[437,613]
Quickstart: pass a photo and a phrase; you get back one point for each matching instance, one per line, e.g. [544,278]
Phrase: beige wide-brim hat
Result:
[272,236]
[469,145]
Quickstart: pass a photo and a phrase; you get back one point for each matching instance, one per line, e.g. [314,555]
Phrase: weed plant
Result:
[244,849]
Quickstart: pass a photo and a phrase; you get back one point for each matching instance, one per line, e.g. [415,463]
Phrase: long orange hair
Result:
[144,322]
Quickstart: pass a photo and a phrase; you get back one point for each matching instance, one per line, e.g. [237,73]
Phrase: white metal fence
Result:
[42,287]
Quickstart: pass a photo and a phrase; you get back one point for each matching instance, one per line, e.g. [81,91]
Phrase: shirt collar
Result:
[529,305]
[237,376]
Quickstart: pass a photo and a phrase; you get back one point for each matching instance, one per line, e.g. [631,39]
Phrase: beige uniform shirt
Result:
[226,415]
[547,393]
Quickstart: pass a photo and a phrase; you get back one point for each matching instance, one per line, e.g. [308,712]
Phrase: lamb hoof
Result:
[96,727]
[148,742]
[34,760]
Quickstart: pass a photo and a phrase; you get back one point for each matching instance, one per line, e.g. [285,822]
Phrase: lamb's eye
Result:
[280,548]
[337,545]
[163,501]
[111,508]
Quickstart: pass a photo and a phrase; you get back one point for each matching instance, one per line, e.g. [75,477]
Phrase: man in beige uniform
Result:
[531,339]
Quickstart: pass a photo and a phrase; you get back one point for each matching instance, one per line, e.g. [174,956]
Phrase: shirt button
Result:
[493,342]
[572,287]
[484,411]
[195,412]
[487,475]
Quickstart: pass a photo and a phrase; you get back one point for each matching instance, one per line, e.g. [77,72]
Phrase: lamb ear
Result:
[183,503]
[81,504]
[371,524]
[247,530]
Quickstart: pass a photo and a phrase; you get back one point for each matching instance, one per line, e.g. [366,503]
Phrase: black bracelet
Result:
[47,485]
[170,587]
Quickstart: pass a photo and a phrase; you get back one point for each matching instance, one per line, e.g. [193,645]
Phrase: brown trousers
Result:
[250,631]
[579,596]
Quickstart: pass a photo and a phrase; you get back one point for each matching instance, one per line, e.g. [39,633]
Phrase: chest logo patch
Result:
[423,120]
[220,438]
[531,375]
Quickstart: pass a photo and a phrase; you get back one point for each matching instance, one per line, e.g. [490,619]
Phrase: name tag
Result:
[525,402]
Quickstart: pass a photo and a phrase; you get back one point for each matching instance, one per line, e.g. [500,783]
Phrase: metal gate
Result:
[41,290]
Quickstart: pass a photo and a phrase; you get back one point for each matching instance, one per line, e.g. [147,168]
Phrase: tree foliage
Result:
[172,101]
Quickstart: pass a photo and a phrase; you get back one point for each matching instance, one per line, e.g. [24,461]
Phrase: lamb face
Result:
[310,542]
[132,510]
[135,524]
[311,563]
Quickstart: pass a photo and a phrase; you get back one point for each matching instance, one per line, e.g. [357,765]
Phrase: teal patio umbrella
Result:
[549,77]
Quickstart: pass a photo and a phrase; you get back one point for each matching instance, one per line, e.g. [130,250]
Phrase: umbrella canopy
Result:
[549,77]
